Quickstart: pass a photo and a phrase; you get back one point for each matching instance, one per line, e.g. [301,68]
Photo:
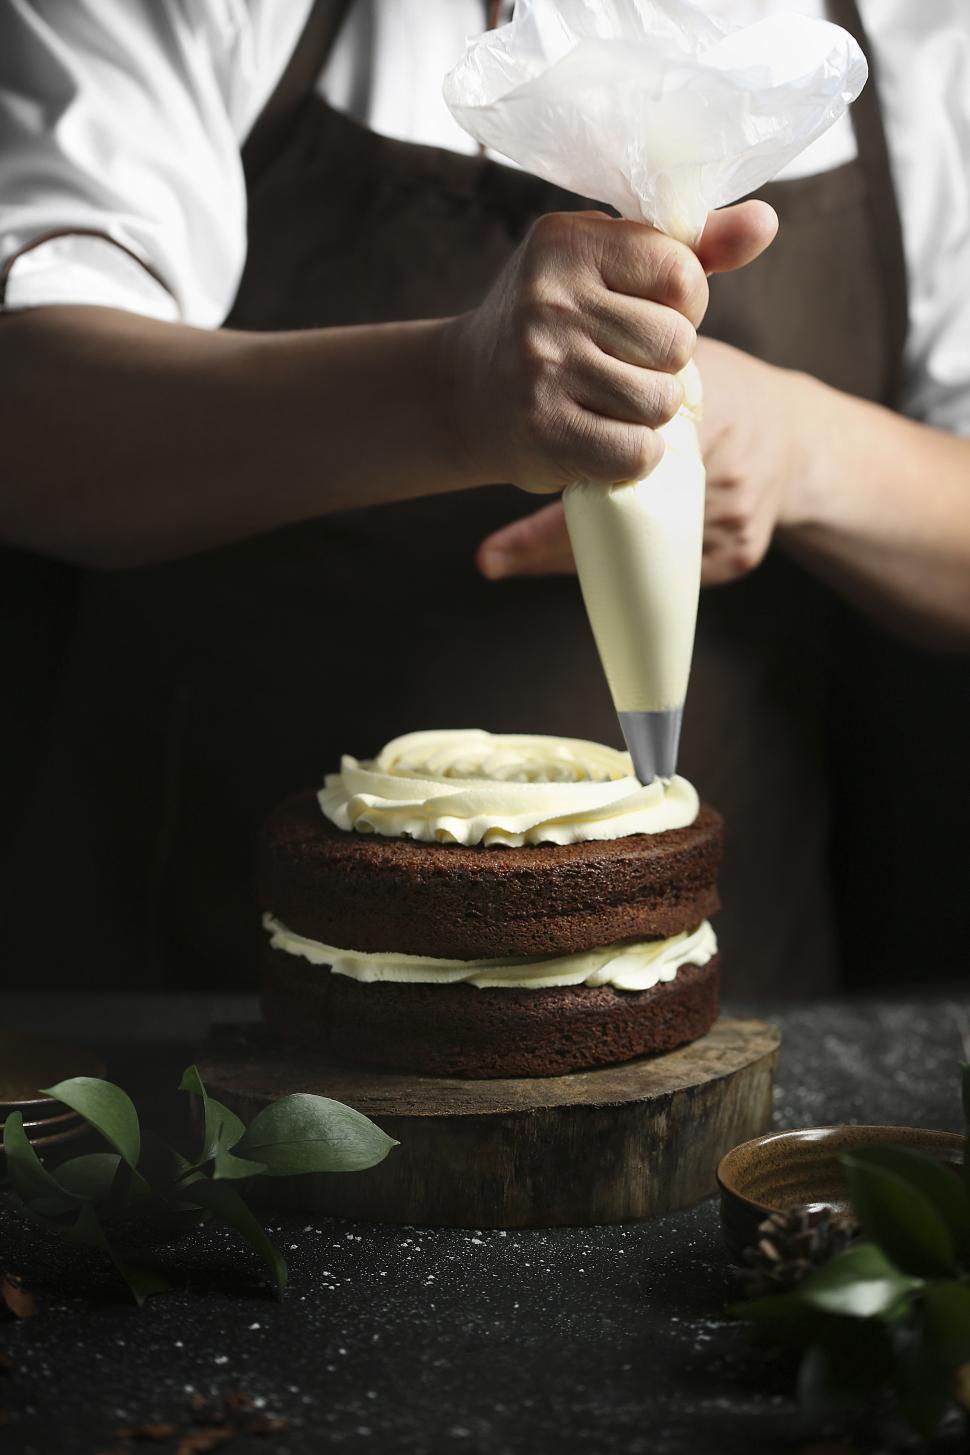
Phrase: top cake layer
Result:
[368,892]
[466,786]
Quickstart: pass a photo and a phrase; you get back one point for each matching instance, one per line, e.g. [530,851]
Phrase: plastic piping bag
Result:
[652,107]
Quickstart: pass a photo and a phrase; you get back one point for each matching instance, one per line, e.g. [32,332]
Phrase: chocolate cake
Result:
[453,902]
[421,921]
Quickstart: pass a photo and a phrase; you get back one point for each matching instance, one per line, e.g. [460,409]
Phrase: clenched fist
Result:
[569,366]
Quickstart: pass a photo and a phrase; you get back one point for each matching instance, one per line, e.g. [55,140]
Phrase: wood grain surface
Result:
[609,1145]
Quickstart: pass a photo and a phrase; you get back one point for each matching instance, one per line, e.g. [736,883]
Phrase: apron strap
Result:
[269,131]
[883,206]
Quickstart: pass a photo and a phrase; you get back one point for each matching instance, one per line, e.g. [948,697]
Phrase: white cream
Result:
[467,786]
[638,554]
[634,966]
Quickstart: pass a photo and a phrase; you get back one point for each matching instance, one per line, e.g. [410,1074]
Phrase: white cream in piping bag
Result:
[638,554]
[630,966]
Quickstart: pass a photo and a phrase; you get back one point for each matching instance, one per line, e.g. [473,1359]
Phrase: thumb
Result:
[736,235]
[536,545]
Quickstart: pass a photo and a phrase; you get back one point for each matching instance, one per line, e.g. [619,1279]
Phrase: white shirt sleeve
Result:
[924,89]
[118,143]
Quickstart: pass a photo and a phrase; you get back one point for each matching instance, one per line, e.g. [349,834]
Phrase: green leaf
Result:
[142,1276]
[108,1109]
[898,1217]
[129,1185]
[87,1229]
[860,1283]
[139,1273]
[306,1133]
[939,1183]
[227,1165]
[821,1393]
[160,1165]
[54,1211]
[225,1202]
[923,1387]
[782,1316]
[842,1369]
[222,1129]
[796,1320]
[946,1314]
[31,1179]
[91,1177]
[168,1173]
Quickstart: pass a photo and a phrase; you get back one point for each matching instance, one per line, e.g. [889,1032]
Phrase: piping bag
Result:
[662,112]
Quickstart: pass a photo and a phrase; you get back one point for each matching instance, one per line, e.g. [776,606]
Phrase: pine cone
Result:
[791,1245]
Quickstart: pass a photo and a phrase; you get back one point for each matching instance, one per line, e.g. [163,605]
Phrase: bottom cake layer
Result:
[460,1030]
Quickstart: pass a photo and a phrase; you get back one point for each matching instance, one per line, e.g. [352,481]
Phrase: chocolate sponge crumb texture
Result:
[372,893]
[459,1030]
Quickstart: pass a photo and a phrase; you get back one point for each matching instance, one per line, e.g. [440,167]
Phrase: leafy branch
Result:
[894,1309]
[143,1191]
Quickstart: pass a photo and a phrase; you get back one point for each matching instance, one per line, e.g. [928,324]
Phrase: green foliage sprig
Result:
[893,1310]
[142,1186]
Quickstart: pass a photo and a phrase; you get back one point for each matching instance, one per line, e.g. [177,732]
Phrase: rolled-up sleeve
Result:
[120,176]
[924,87]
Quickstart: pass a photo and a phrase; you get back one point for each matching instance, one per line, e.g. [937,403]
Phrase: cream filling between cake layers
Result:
[467,786]
[638,965]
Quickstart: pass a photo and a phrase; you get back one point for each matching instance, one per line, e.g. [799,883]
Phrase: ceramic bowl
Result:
[29,1062]
[801,1169]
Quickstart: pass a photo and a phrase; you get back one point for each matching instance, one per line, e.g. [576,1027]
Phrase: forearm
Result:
[882,513]
[126,440]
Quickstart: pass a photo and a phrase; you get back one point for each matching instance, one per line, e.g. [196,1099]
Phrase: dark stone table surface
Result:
[398,1339]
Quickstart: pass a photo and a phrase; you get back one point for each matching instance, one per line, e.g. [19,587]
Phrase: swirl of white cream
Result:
[466,786]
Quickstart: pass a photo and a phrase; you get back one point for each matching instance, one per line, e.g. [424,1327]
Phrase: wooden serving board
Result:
[600,1146]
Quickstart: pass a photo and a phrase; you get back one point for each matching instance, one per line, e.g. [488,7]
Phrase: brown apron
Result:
[200,692]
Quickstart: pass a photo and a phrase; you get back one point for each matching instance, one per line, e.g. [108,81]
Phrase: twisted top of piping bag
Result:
[651,105]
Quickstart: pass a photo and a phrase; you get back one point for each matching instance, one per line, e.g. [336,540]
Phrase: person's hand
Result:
[567,368]
[754,435]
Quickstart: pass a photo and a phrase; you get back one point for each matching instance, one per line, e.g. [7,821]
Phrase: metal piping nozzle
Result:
[652,739]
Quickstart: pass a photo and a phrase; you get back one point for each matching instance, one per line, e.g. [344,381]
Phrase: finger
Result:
[635,331]
[537,545]
[736,235]
[640,261]
[616,391]
[607,451]
[716,568]
[730,554]
[726,508]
